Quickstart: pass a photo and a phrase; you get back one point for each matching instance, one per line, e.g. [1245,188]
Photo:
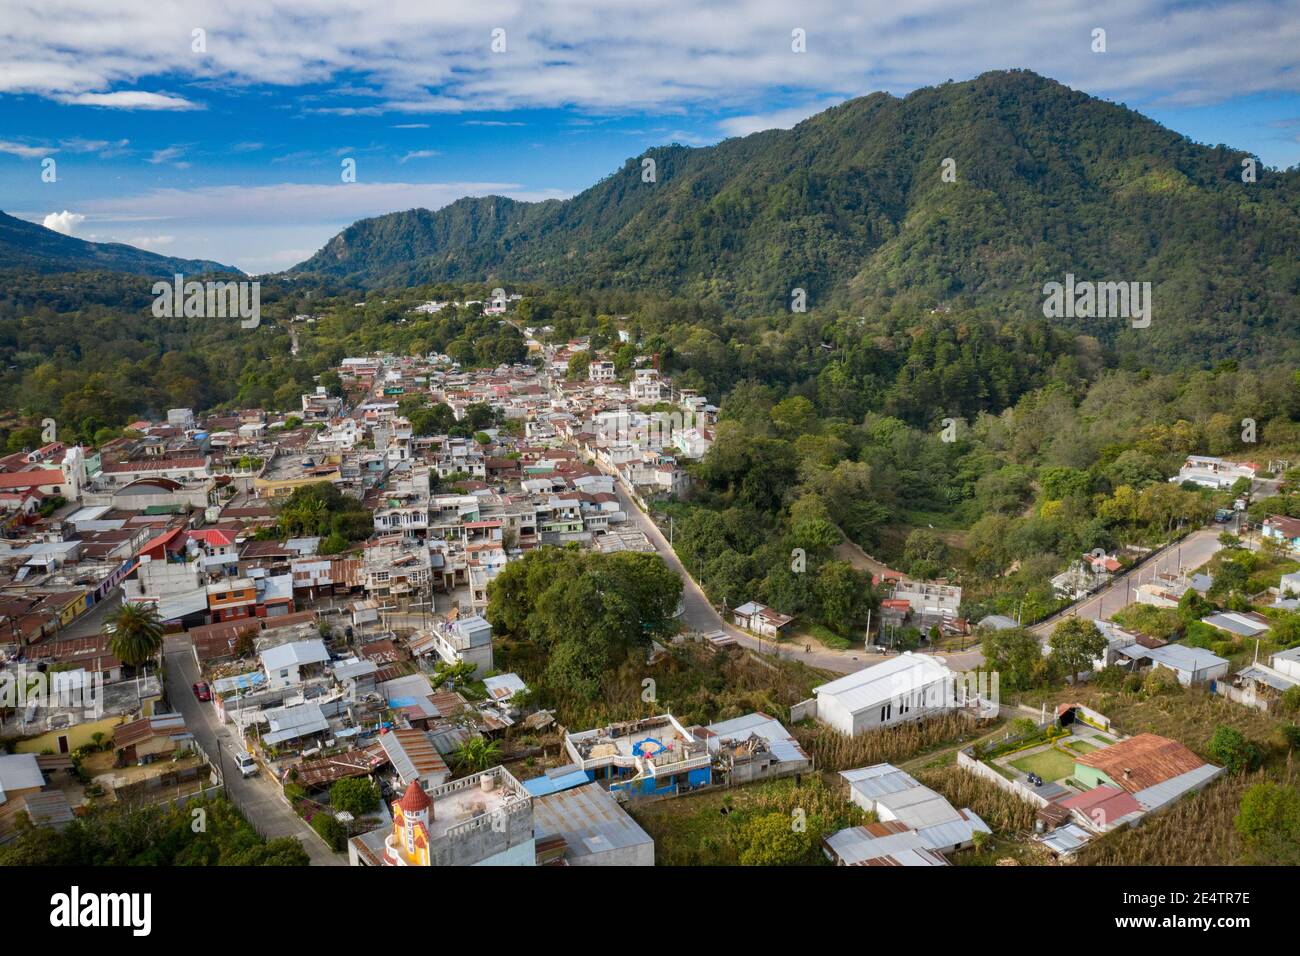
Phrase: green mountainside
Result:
[850,205]
[28,246]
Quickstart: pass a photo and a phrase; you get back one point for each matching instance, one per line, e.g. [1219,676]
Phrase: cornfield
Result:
[834,751]
[1002,811]
[1196,831]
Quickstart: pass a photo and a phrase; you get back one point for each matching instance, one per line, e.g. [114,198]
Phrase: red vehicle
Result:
[201,691]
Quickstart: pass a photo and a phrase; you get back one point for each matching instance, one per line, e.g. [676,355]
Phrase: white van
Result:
[245,762]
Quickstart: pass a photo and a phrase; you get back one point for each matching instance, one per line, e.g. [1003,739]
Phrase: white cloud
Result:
[781,119]
[24,150]
[64,222]
[130,100]
[168,154]
[271,227]
[411,56]
[151,243]
[420,154]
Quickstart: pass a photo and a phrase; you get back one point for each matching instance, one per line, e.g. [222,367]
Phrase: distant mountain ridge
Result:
[26,245]
[851,205]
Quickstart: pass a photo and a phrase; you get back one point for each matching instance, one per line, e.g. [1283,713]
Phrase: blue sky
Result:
[230,148]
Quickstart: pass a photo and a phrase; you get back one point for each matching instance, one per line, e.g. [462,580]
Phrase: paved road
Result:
[259,798]
[700,614]
[1183,556]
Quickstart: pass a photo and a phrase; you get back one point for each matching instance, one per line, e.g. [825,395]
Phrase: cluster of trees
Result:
[321,509]
[440,419]
[1269,824]
[1016,654]
[581,614]
[207,833]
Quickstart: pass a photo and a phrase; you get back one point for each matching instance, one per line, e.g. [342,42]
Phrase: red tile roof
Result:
[415,799]
[30,479]
[1142,761]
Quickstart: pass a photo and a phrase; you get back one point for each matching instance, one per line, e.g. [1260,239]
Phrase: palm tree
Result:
[137,634]
[477,753]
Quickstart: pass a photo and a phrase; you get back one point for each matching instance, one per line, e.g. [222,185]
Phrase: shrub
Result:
[1161,680]
[330,830]
[1269,823]
[357,795]
[1229,747]
[1291,735]
[772,840]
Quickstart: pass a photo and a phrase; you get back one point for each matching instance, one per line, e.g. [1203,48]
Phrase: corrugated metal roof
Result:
[297,652]
[1152,798]
[589,820]
[879,779]
[412,753]
[954,832]
[779,740]
[290,723]
[881,683]
[855,846]
[1066,839]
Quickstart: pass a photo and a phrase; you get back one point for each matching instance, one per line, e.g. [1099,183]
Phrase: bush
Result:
[772,840]
[1229,747]
[1161,680]
[330,830]
[1269,823]
[1291,700]
[357,795]
[1291,734]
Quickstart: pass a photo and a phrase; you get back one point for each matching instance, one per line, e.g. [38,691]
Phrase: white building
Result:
[907,687]
[283,664]
[1214,472]
[646,386]
[894,795]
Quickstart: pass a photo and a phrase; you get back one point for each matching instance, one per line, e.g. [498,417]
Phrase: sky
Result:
[219,130]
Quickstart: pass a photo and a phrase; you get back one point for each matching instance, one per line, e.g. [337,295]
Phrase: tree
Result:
[925,553]
[843,596]
[772,840]
[476,754]
[137,634]
[586,611]
[1290,700]
[1076,646]
[1012,653]
[1268,822]
[1237,754]
[579,362]
[356,795]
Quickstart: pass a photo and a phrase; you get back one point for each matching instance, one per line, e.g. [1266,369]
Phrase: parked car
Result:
[202,692]
[245,762]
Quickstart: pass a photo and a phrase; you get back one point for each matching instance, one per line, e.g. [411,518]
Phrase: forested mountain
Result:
[851,206]
[25,245]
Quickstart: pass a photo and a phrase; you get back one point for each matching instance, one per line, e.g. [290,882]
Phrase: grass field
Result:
[1081,746]
[1050,764]
[694,830]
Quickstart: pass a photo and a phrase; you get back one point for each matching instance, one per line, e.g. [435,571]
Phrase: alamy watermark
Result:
[654,429]
[1101,300]
[23,687]
[209,300]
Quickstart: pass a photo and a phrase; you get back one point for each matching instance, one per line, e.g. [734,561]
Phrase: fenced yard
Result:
[1050,764]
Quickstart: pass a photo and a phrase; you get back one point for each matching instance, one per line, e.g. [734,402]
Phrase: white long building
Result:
[907,687]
